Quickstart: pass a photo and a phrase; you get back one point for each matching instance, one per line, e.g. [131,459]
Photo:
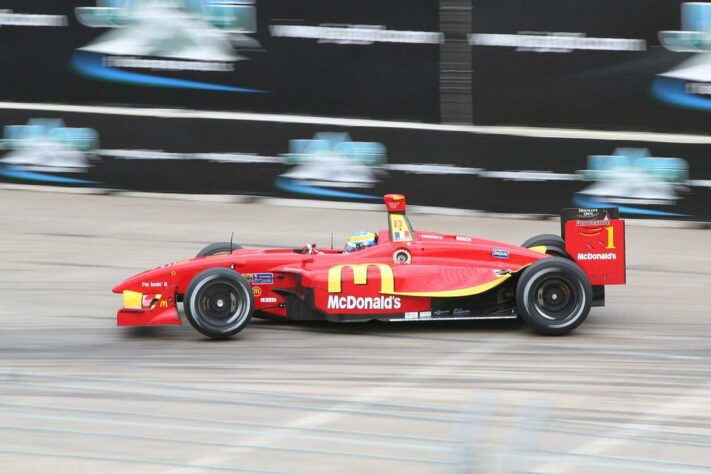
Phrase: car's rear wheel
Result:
[553,296]
[218,248]
[219,302]
[554,244]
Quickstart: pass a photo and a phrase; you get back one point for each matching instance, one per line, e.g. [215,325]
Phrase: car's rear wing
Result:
[595,240]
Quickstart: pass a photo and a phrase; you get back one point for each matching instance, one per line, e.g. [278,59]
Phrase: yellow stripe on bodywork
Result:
[360,276]
[132,299]
[539,248]
[474,290]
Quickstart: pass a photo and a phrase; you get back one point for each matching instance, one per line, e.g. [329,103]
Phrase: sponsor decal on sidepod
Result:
[363,302]
[500,253]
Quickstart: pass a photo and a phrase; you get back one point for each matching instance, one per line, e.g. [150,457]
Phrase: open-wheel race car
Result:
[398,274]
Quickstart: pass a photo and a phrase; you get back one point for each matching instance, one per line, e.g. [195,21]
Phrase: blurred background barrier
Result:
[316,57]
[607,66]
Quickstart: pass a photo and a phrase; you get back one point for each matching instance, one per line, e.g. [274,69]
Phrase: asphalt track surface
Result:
[629,391]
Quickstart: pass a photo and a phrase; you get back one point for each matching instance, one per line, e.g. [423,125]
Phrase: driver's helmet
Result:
[361,240]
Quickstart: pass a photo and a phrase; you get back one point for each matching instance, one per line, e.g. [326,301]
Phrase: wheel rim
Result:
[221,305]
[555,298]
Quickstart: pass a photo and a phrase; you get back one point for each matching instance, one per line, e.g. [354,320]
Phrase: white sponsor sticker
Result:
[139,63]
[363,302]
[268,300]
[597,256]
[411,315]
[9,18]
[563,42]
[353,34]
[426,314]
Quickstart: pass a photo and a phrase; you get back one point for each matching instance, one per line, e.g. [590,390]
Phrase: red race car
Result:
[398,274]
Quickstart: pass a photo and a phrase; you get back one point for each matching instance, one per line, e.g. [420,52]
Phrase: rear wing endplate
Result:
[595,239]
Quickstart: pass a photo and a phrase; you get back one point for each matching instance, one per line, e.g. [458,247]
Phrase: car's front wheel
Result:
[219,302]
[553,296]
[218,248]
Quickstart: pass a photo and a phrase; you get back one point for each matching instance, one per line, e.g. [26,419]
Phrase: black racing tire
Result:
[219,302]
[553,296]
[218,248]
[554,244]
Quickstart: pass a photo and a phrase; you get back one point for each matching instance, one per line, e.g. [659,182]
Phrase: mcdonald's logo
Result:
[360,276]
[163,304]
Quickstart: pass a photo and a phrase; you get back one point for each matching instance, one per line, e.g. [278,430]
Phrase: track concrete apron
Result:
[628,391]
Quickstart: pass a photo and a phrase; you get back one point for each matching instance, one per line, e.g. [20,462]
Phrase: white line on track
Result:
[443,366]
[106,459]
[394,447]
[533,132]
[208,422]
[695,401]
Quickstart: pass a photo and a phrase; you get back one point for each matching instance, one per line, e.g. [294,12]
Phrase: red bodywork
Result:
[408,275]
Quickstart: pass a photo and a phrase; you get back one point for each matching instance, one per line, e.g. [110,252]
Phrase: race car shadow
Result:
[163,332]
[398,329]
[370,328]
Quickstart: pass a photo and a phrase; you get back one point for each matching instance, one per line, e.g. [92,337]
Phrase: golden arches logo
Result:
[360,276]
[163,304]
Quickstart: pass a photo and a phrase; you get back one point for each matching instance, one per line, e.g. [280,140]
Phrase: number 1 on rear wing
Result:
[595,239]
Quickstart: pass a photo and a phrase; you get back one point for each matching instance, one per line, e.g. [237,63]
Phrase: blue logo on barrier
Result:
[634,181]
[175,35]
[689,83]
[46,151]
[331,165]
